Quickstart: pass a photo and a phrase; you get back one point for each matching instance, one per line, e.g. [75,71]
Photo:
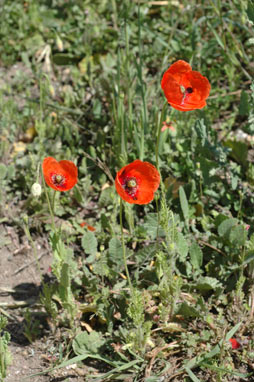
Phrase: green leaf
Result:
[184,204]
[151,225]
[116,250]
[65,59]
[77,195]
[244,104]
[226,226]
[3,171]
[232,231]
[182,247]
[219,219]
[116,371]
[238,235]
[249,257]
[105,224]
[100,267]
[226,371]
[196,256]
[88,343]
[250,10]
[239,151]
[192,375]
[89,243]
[188,311]
[218,39]
[82,357]
[207,283]
[106,196]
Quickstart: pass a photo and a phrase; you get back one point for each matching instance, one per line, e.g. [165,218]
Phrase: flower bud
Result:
[36,189]
[59,44]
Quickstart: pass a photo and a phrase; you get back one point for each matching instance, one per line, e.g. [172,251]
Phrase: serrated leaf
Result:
[184,204]
[172,327]
[106,196]
[151,225]
[89,243]
[182,247]
[100,267]
[87,343]
[116,251]
[196,256]
[207,283]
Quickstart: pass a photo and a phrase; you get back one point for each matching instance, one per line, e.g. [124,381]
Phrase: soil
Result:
[20,285]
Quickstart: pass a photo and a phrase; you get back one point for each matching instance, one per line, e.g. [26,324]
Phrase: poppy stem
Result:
[124,248]
[159,133]
[53,203]
[160,119]
[51,210]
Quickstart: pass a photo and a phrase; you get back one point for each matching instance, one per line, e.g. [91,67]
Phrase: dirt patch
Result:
[27,360]
[20,285]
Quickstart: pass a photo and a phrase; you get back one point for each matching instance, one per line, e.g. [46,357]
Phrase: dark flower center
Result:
[130,186]
[189,90]
[58,179]
[131,183]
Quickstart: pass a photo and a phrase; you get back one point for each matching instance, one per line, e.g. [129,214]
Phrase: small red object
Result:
[89,227]
[235,344]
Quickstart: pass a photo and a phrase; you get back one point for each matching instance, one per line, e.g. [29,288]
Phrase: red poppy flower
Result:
[61,176]
[235,344]
[137,182]
[184,88]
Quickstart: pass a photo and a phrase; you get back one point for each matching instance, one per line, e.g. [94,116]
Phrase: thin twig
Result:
[101,165]
[18,304]
[2,311]
[236,92]
[31,263]
[212,247]
[21,249]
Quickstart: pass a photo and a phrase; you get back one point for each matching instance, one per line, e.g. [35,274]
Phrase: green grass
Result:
[81,81]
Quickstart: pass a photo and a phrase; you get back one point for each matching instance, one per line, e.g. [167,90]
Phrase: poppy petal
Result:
[178,69]
[200,85]
[172,89]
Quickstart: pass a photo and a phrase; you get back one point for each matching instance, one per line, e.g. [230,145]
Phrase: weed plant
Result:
[147,291]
